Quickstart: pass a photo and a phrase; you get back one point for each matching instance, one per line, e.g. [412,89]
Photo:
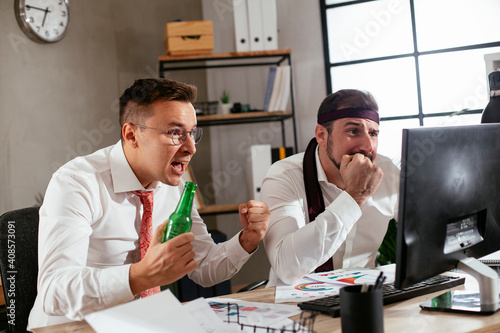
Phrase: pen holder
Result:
[361,311]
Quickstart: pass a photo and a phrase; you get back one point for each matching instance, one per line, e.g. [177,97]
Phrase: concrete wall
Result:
[299,29]
[59,100]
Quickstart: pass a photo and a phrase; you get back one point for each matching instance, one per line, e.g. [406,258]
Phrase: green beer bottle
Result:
[180,220]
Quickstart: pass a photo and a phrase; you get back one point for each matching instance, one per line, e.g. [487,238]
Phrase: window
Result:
[423,60]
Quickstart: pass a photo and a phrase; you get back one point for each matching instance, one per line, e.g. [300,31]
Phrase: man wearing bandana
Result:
[331,205]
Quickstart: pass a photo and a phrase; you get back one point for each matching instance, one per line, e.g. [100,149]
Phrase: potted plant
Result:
[225,106]
[387,251]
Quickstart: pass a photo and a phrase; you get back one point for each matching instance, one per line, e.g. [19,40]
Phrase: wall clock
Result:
[44,21]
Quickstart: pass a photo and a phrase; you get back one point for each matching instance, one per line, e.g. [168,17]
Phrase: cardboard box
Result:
[188,37]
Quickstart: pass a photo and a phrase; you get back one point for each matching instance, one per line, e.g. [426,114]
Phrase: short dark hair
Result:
[346,98]
[135,101]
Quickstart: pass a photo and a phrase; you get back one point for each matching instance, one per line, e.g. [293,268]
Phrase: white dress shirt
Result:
[89,237]
[351,235]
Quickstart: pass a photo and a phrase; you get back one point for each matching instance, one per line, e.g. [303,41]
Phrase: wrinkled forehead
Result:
[173,114]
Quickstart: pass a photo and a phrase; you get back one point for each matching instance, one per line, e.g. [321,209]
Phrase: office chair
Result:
[19,264]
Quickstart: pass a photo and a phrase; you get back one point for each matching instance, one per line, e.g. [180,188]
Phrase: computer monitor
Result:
[449,210]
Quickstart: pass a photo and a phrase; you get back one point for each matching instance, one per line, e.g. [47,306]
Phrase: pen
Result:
[382,282]
[379,281]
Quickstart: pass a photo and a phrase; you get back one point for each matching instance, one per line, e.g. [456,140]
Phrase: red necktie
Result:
[146,233]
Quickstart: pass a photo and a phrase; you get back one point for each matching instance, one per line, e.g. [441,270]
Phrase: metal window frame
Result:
[415,54]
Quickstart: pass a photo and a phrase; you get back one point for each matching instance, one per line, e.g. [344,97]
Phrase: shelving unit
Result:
[245,117]
[229,60]
[218,209]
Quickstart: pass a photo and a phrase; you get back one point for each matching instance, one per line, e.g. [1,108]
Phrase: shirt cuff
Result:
[346,209]
[116,290]
[237,254]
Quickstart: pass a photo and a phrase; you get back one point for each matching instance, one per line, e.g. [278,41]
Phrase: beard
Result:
[329,153]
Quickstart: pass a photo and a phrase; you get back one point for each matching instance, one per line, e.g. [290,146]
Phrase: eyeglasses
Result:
[179,134]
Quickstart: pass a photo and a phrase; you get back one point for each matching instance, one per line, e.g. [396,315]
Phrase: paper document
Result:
[252,313]
[350,276]
[157,313]
[206,317]
[319,285]
[305,289]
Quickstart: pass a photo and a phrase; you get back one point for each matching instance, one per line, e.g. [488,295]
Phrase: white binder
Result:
[240,15]
[275,100]
[285,87]
[281,89]
[260,162]
[269,24]
[255,26]
[269,87]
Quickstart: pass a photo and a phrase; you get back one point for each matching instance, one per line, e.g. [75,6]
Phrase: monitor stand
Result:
[486,301]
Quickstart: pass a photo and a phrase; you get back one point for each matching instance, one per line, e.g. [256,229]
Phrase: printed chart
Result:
[319,285]
[349,277]
[303,290]
[254,313]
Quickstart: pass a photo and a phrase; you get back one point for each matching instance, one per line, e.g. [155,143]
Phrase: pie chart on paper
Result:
[314,286]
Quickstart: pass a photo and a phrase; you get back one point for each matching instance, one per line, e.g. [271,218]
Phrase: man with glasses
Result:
[96,249]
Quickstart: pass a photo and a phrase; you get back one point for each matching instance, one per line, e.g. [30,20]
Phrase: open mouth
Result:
[179,166]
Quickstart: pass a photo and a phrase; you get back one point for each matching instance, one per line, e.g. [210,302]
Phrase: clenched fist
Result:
[254,218]
[361,177]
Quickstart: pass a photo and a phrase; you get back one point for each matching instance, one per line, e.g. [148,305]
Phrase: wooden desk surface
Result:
[399,317]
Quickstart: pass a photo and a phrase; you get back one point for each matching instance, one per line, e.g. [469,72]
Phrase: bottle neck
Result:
[186,201]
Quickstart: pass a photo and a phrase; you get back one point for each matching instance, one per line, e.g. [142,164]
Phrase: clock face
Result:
[43,20]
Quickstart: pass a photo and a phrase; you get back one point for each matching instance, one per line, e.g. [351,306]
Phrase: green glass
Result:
[180,220]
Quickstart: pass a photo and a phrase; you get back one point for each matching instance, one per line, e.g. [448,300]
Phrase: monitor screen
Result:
[449,207]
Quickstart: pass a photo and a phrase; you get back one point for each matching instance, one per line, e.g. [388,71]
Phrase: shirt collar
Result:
[321,172]
[124,178]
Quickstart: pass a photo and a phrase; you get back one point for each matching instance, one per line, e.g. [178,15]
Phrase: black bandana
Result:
[349,113]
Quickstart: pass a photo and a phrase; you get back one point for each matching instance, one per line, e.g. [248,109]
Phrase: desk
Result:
[399,317]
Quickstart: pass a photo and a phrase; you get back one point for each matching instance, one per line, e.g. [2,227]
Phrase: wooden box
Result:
[188,37]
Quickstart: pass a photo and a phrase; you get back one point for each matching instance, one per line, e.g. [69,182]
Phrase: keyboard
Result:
[493,263]
[331,304]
